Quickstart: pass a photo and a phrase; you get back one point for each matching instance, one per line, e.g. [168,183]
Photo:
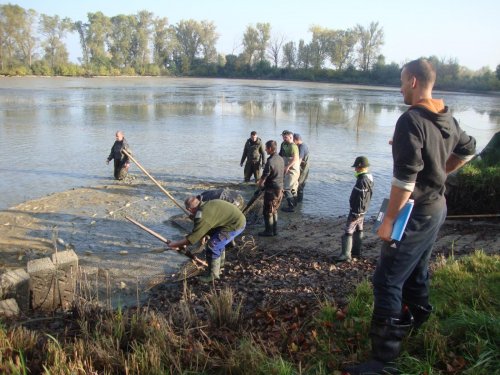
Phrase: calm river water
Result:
[55,133]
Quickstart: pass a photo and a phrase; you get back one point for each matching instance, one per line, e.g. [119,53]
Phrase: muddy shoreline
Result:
[295,267]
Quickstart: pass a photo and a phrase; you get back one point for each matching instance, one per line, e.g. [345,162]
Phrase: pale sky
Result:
[468,31]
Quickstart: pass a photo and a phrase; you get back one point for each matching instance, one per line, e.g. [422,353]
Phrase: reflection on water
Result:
[55,134]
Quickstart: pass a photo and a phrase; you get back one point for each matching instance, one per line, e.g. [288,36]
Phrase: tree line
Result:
[143,44]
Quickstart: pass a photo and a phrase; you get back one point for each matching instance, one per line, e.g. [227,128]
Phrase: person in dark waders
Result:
[289,151]
[304,165]
[121,161]
[272,183]
[361,195]
[220,220]
[253,153]
[427,145]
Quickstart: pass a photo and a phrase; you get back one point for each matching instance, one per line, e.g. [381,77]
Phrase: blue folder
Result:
[401,220]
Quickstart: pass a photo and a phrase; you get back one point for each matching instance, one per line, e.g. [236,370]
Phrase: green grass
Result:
[462,337]
[475,189]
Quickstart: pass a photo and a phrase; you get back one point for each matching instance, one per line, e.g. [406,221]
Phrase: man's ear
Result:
[413,82]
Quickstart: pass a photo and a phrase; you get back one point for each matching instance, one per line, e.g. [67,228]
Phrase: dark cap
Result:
[286,132]
[361,162]
[297,136]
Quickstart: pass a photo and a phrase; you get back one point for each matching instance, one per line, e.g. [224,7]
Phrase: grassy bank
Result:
[462,337]
[475,190]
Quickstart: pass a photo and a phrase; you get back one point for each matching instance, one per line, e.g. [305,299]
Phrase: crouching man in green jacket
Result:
[220,220]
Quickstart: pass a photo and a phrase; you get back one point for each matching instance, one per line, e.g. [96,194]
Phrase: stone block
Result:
[66,263]
[42,279]
[9,308]
[16,284]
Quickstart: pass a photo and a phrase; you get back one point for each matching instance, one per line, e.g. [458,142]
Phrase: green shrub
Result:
[474,190]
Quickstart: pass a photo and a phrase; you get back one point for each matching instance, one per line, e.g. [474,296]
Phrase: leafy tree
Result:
[386,74]
[342,51]
[164,43]
[97,37]
[264,30]
[140,43]
[303,55]
[231,64]
[255,42]
[321,45]
[189,41]
[498,72]
[250,44]
[370,40]
[28,40]
[120,40]
[262,68]
[54,30]
[82,29]
[289,55]
[17,36]
[208,40]
[275,49]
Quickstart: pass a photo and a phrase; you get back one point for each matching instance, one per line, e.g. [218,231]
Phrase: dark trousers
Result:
[304,173]
[272,201]
[252,168]
[402,270]
[120,171]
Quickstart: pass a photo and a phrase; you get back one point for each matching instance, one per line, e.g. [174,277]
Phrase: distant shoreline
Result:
[486,93]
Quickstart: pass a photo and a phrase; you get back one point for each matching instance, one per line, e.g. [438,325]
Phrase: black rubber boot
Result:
[420,314]
[357,243]
[387,336]
[291,205]
[213,271]
[275,224]
[268,222]
[231,244]
[300,195]
[345,255]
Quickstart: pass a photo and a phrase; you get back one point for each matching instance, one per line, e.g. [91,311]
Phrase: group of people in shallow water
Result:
[427,145]
[285,174]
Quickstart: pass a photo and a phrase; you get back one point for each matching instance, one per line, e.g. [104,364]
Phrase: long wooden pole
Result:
[252,201]
[164,240]
[472,216]
[156,182]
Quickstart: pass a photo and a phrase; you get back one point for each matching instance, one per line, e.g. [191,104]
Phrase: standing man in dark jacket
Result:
[121,163]
[304,165]
[255,156]
[272,182]
[427,145]
[361,195]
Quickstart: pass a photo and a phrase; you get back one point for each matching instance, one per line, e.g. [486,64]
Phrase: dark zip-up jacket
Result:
[116,151]
[361,194]
[422,143]
[253,151]
[273,172]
